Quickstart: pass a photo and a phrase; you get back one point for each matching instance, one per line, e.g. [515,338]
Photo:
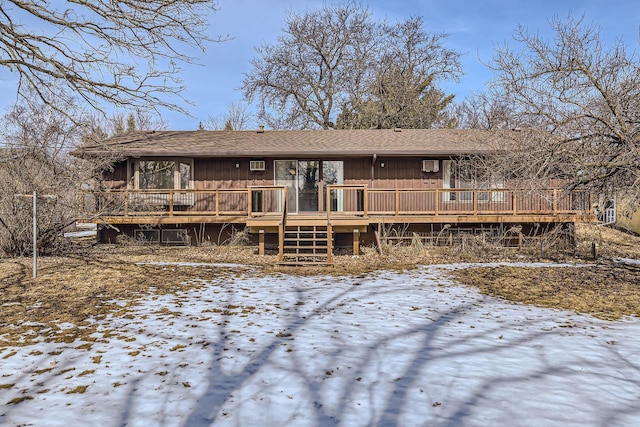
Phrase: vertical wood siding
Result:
[117,178]
[398,172]
[212,173]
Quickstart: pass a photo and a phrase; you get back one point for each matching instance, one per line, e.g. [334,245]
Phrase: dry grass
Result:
[610,243]
[609,290]
[87,285]
[73,289]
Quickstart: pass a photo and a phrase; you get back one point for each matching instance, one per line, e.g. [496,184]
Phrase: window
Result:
[455,174]
[185,178]
[156,174]
[162,174]
[147,235]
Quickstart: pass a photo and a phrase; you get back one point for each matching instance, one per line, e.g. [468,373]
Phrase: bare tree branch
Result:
[35,156]
[317,66]
[584,94]
[236,118]
[126,53]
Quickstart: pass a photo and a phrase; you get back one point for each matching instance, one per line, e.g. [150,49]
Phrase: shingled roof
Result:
[298,143]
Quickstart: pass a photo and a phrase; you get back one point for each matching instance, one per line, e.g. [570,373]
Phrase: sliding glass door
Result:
[308,179]
[286,172]
[305,179]
[333,173]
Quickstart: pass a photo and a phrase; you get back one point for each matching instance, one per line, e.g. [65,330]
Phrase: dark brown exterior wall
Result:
[217,173]
[218,234]
[398,172]
[117,178]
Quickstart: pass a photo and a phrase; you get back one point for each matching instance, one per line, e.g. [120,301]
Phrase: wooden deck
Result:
[307,238]
[352,207]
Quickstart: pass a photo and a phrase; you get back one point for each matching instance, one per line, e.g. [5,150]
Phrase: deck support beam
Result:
[261,242]
[356,241]
[281,242]
[329,243]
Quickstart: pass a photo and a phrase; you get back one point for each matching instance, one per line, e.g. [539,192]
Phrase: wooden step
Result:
[306,245]
[304,263]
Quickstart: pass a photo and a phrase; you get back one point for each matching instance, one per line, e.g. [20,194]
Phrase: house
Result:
[306,191]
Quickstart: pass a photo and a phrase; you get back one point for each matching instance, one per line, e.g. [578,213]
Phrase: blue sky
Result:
[474,28]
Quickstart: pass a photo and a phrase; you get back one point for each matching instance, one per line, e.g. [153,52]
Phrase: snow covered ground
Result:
[389,348]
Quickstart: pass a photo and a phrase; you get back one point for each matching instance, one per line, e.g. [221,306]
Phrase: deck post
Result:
[170,203]
[280,242]
[437,202]
[475,202]
[249,202]
[397,201]
[366,201]
[261,242]
[513,201]
[555,201]
[217,193]
[356,241]
[329,243]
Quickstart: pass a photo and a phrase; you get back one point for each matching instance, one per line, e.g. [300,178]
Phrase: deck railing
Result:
[340,200]
[249,202]
[360,200]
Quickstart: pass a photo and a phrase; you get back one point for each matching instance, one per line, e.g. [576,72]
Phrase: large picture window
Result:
[458,174]
[161,174]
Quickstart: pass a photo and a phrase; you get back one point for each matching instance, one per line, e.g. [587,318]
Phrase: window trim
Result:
[133,172]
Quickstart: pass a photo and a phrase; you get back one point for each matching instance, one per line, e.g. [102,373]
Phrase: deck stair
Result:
[307,245]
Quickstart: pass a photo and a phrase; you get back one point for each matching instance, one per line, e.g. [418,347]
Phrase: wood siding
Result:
[116,178]
[398,188]
[399,172]
[218,173]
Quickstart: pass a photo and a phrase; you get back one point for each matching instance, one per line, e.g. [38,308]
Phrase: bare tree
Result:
[337,67]
[340,61]
[35,156]
[236,118]
[403,91]
[484,111]
[318,65]
[584,95]
[123,52]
